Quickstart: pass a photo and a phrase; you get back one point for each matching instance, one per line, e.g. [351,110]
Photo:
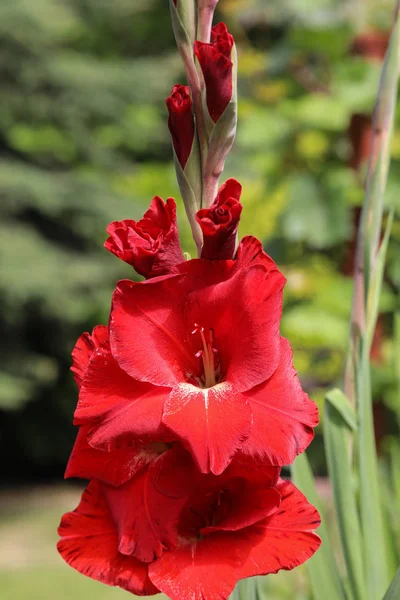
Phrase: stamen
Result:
[207,355]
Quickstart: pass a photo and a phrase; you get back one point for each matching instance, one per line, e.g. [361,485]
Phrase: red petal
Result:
[244,313]
[213,422]
[122,410]
[219,222]
[89,545]
[145,517]
[207,569]
[251,505]
[114,467]
[175,474]
[239,300]
[251,254]
[83,350]
[283,415]
[147,331]
[286,539]
[254,472]
[150,245]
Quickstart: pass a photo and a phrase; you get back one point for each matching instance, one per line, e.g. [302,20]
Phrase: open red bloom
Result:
[208,366]
[216,65]
[220,222]
[180,122]
[197,534]
[150,245]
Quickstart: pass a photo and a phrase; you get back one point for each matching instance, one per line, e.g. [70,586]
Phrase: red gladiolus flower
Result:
[220,222]
[218,529]
[216,65]
[150,245]
[180,122]
[208,366]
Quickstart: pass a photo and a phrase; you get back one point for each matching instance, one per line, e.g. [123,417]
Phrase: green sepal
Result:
[184,22]
[189,181]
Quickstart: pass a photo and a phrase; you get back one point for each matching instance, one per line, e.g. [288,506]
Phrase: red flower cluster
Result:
[188,406]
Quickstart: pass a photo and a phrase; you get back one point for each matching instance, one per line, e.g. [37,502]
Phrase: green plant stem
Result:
[357,382]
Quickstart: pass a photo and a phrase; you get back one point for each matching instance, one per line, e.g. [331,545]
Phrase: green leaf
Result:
[372,524]
[342,404]
[393,592]
[338,417]
[322,567]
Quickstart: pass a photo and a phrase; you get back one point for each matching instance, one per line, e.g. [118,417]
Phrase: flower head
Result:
[150,245]
[209,367]
[220,222]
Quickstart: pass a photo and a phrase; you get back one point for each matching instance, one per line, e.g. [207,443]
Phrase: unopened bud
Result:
[220,222]
[216,65]
[181,122]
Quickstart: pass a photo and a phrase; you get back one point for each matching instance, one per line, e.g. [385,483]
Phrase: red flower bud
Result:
[180,122]
[220,222]
[150,245]
[216,66]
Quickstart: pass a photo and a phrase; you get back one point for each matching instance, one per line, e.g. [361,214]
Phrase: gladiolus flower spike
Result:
[189,404]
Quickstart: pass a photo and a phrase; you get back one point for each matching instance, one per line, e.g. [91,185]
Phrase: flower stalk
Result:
[206,10]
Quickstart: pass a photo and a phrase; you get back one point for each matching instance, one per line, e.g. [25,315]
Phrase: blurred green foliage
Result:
[84,141]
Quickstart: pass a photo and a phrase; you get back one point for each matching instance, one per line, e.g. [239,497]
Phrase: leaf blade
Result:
[337,440]
[322,567]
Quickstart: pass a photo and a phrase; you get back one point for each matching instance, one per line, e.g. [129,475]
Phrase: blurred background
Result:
[84,141]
